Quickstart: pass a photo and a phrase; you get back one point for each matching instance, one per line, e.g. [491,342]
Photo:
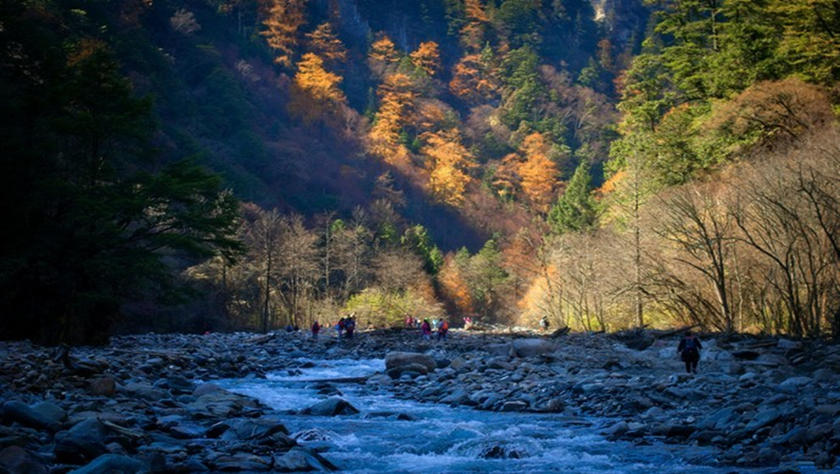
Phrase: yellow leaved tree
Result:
[448,162]
[427,57]
[283,19]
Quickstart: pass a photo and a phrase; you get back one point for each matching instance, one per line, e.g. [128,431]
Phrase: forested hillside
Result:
[606,163]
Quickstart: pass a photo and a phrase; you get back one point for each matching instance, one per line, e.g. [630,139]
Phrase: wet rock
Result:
[514,405]
[146,391]
[792,385]
[83,442]
[242,462]
[397,363]
[302,460]
[43,415]
[746,355]
[764,418]
[206,388]
[501,452]
[617,429]
[17,459]
[113,463]
[249,429]
[104,386]
[332,406]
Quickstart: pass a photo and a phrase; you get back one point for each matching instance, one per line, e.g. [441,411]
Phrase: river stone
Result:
[332,406]
[104,386]
[206,388]
[81,443]
[242,462]
[44,415]
[146,391]
[301,460]
[514,405]
[532,347]
[401,359]
[764,418]
[247,429]
[17,459]
[793,384]
[505,349]
[113,463]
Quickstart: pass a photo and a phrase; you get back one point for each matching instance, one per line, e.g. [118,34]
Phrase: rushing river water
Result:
[439,438]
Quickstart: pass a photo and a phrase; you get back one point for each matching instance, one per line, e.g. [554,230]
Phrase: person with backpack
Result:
[350,326]
[443,328]
[426,329]
[689,350]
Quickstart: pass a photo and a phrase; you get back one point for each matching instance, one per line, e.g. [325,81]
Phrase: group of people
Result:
[438,325]
[345,327]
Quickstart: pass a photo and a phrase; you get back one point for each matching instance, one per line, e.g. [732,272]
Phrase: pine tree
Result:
[574,210]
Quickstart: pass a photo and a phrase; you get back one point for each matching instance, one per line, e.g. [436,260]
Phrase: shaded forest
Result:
[229,164]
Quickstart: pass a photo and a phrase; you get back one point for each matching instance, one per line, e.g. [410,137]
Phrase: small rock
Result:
[113,463]
[103,386]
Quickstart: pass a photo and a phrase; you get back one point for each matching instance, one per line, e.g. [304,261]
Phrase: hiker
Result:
[689,350]
[544,324]
[467,322]
[443,328]
[316,328]
[340,327]
[350,326]
[426,329]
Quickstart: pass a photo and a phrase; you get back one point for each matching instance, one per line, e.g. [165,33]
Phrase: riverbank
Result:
[149,402]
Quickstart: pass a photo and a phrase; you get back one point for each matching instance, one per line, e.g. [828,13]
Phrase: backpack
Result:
[445,326]
[690,344]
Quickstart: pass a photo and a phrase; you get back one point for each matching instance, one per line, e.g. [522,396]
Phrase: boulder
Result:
[113,463]
[301,460]
[532,347]
[17,459]
[503,350]
[396,363]
[146,392]
[242,462]
[764,418]
[206,388]
[104,386]
[44,415]
[332,406]
[83,442]
[248,429]
[792,385]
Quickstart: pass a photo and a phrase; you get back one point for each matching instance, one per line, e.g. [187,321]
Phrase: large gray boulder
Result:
[43,415]
[332,406]
[83,442]
[396,363]
[17,459]
[301,460]
[532,347]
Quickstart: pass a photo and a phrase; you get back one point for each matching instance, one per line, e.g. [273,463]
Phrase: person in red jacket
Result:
[443,329]
[426,329]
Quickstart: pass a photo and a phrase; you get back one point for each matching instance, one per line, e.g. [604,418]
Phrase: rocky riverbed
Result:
[148,402]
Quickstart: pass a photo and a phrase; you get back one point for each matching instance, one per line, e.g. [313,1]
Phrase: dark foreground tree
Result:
[91,221]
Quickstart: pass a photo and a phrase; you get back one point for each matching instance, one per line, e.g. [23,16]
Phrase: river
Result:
[438,438]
